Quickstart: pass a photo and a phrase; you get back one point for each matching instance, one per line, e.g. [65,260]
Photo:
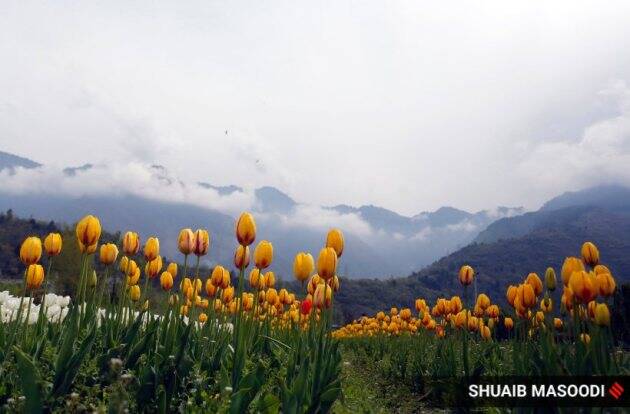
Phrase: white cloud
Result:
[322,219]
[464,225]
[600,155]
[119,179]
[407,105]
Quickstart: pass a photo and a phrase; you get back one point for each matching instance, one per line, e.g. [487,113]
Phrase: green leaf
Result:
[30,382]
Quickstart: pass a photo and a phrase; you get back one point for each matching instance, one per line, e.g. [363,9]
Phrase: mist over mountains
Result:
[149,199]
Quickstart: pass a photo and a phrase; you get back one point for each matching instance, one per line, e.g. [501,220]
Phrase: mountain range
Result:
[389,244]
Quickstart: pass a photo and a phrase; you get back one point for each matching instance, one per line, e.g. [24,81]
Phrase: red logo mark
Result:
[616,390]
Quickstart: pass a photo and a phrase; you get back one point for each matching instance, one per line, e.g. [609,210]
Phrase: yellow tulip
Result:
[466,275]
[172,269]
[134,293]
[590,254]
[602,315]
[485,333]
[166,281]
[88,232]
[557,323]
[327,263]
[34,276]
[108,253]
[584,286]
[334,239]
[245,229]
[202,242]
[255,278]
[211,289]
[151,249]
[492,311]
[31,250]
[203,317]
[511,294]
[153,268]
[241,257]
[606,284]
[334,283]
[508,323]
[322,298]
[550,279]
[133,278]
[483,301]
[270,279]
[186,241]
[526,296]
[570,265]
[303,266]
[546,305]
[227,294]
[535,283]
[586,338]
[52,244]
[131,243]
[218,274]
[263,254]
[122,266]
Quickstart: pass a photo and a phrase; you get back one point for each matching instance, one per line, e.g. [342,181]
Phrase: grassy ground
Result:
[366,391]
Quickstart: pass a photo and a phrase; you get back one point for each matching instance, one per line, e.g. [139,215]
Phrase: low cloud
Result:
[134,178]
[322,218]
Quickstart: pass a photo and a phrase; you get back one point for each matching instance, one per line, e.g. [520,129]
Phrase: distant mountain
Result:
[611,197]
[383,244]
[10,161]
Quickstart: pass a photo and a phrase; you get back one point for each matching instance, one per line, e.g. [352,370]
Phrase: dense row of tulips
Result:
[430,346]
[202,343]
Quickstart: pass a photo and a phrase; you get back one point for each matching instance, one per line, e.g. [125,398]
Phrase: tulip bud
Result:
[151,249]
[172,269]
[263,254]
[246,229]
[303,266]
[131,243]
[241,257]
[508,323]
[166,281]
[88,232]
[466,275]
[52,244]
[557,323]
[31,250]
[145,305]
[186,241]
[590,254]
[108,253]
[34,276]
[203,317]
[602,315]
[93,279]
[327,263]
[134,293]
[334,239]
[202,242]
[550,279]
[483,301]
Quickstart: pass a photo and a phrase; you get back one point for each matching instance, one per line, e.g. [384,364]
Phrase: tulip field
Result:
[224,341]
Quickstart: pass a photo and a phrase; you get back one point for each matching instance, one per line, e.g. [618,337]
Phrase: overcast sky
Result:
[406,105]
